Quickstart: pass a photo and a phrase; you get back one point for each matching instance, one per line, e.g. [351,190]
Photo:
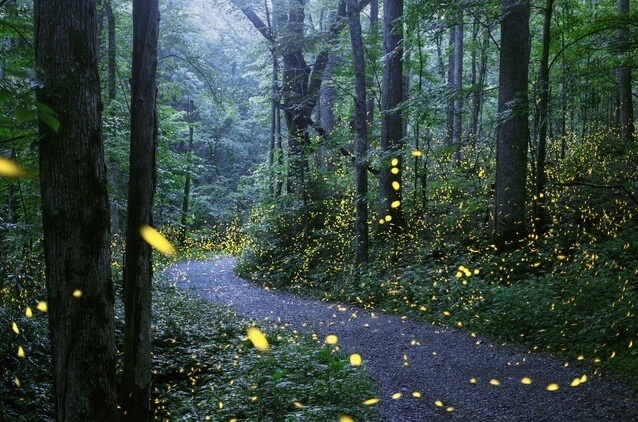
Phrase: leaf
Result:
[9,168]
[156,240]
[48,116]
[25,114]
[258,339]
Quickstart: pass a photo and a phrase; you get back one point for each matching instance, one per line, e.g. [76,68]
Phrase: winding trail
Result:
[404,356]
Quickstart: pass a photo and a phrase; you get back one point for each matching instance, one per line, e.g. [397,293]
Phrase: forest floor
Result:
[440,373]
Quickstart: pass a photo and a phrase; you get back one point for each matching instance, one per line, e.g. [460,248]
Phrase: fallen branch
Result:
[630,194]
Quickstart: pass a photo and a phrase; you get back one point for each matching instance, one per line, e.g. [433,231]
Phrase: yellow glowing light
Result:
[20,352]
[298,405]
[9,168]
[42,306]
[495,382]
[156,240]
[28,312]
[77,293]
[332,339]
[472,380]
[355,359]
[394,170]
[388,218]
[526,380]
[552,387]
[396,396]
[396,185]
[258,339]
[417,153]
[575,382]
[15,328]
[345,418]
[17,382]
[439,403]
[396,204]
[372,401]
[394,162]
[416,394]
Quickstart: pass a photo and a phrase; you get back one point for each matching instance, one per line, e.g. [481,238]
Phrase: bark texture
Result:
[390,187]
[75,212]
[136,379]
[623,73]
[360,135]
[513,130]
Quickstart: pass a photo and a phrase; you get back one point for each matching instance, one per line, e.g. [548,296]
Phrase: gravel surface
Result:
[445,365]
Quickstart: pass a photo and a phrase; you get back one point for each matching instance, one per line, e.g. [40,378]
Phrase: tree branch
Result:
[322,132]
[15,138]
[631,196]
[255,20]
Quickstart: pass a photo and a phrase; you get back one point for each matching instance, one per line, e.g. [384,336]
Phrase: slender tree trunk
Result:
[390,180]
[75,212]
[479,69]
[360,136]
[374,33]
[449,120]
[110,25]
[540,218]
[136,378]
[457,132]
[623,73]
[513,131]
[274,106]
[187,182]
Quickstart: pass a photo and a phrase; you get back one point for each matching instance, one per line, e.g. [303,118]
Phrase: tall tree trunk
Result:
[623,73]
[449,120]
[513,131]
[187,182]
[301,82]
[370,84]
[457,131]
[540,218]
[360,136]
[390,186]
[136,378]
[75,212]
[479,70]
[110,25]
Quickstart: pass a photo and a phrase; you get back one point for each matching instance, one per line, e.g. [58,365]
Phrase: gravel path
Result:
[406,357]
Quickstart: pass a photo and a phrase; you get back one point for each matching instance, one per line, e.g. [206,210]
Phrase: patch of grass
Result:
[205,369]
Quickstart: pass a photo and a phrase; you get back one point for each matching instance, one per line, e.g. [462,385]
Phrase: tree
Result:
[513,129]
[75,212]
[301,82]
[360,135]
[390,189]
[540,219]
[623,73]
[136,379]
[457,83]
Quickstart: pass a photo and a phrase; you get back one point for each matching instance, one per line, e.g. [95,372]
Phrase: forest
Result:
[470,165]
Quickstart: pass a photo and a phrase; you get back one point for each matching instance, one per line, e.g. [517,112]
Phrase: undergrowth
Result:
[203,366]
[206,369]
[571,291]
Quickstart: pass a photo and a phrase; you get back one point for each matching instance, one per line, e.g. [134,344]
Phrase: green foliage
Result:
[205,368]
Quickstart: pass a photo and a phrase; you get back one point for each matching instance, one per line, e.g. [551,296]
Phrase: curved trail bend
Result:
[404,356]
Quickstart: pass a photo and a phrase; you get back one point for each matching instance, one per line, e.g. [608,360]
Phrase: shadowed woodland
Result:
[472,164]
